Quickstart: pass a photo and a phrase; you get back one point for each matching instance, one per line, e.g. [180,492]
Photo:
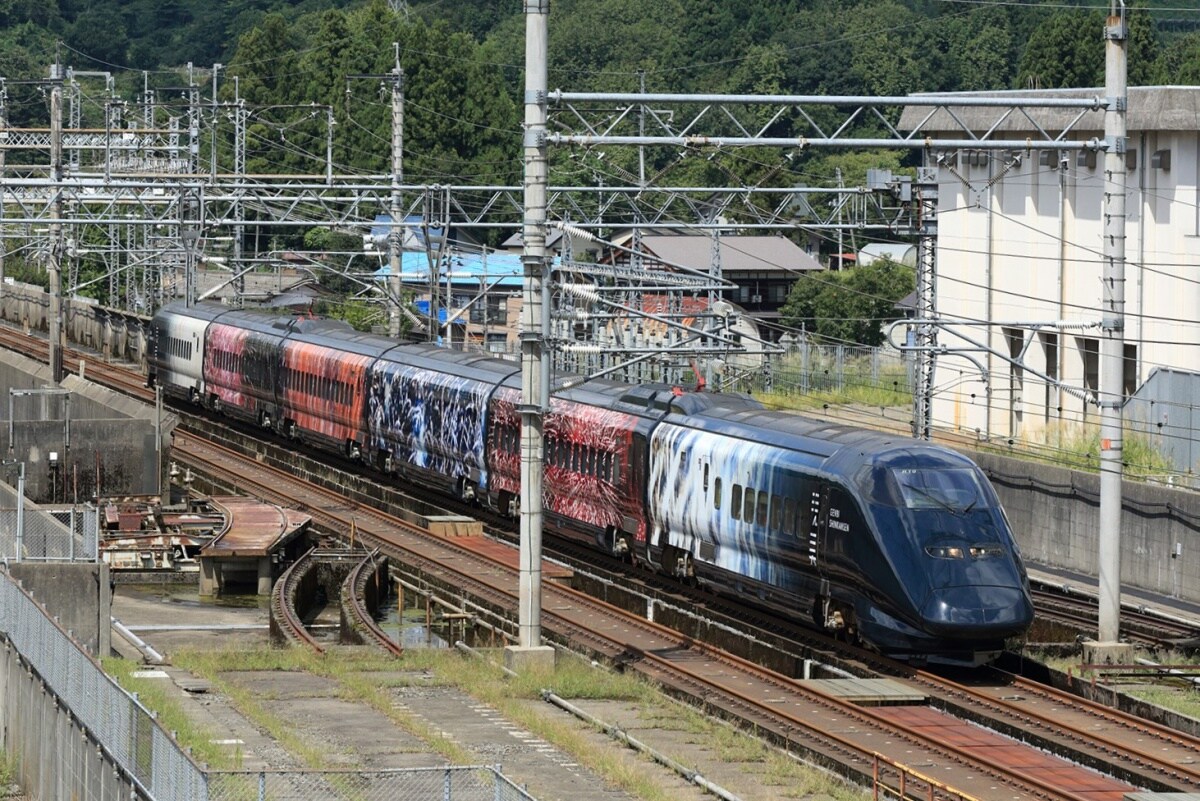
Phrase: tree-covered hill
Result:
[463,63]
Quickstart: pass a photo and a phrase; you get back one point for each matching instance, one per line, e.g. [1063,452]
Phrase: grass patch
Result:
[362,676]
[857,395]
[575,679]
[350,670]
[154,695]
[1078,447]
[8,769]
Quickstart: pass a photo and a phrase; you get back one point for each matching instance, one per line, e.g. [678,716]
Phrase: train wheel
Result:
[289,428]
[215,403]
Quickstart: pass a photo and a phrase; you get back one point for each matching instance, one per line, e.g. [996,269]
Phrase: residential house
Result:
[763,268]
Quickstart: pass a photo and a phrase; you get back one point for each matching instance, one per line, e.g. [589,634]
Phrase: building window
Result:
[1089,353]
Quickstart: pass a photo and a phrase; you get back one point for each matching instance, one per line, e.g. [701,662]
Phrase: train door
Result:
[834,561]
[710,486]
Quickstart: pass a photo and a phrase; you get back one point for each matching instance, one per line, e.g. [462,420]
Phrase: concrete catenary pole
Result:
[396,210]
[533,358]
[54,265]
[1112,345]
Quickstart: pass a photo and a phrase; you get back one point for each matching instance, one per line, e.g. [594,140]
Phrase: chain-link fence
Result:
[146,757]
[65,691]
[39,535]
[446,784]
[835,369]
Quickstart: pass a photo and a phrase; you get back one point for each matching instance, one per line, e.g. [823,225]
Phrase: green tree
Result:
[1181,61]
[849,306]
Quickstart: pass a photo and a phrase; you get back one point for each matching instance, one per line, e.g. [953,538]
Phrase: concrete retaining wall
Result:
[54,756]
[112,437]
[1055,514]
[77,594]
[114,333]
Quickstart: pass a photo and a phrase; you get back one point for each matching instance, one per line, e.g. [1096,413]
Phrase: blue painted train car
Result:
[893,541]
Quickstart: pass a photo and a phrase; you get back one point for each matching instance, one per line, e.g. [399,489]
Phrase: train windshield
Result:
[954,490]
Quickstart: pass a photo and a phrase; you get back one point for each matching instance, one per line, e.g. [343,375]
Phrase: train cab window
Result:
[748,506]
[717,492]
[789,516]
[776,511]
[762,508]
[735,502]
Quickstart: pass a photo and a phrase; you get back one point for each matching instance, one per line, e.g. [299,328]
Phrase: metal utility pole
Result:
[534,367]
[54,265]
[3,153]
[213,134]
[1112,345]
[396,234]
[926,200]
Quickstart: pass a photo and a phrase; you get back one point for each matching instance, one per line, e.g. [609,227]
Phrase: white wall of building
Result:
[1020,244]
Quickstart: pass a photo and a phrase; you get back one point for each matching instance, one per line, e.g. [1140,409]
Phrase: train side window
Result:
[735,502]
[776,511]
[789,516]
[762,508]
[717,492]
[706,477]
[748,506]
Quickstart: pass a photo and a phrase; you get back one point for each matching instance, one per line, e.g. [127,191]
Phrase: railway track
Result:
[1138,624]
[844,734]
[834,731]
[285,624]
[353,595]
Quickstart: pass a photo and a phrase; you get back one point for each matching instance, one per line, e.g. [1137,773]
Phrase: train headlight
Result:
[985,551]
[944,551]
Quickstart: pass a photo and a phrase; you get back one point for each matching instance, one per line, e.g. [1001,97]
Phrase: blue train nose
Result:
[977,611]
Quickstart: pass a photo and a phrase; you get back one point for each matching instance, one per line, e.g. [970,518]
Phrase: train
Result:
[894,543]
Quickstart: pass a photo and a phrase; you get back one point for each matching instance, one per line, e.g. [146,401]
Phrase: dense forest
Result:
[463,60]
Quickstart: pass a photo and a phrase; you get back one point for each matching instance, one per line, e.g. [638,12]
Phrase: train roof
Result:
[465,364]
[199,311]
[839,447]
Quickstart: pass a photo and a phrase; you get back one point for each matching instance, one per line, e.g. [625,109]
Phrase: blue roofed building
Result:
[481,291]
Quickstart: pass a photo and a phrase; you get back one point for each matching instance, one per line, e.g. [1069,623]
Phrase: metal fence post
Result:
[20,509]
